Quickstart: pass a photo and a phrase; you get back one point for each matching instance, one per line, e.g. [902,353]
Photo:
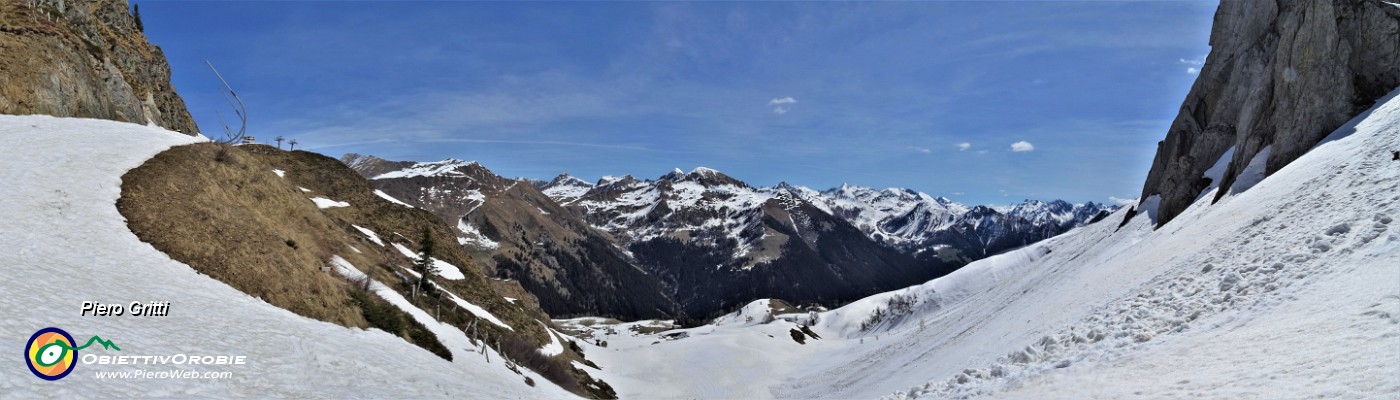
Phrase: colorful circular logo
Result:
[50,353]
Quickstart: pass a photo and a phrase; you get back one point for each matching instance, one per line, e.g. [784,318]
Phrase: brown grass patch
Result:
[236,222]
[223,211]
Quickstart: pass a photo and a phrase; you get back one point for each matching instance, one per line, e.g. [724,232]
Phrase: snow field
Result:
[391,199]
[323,202]
[441,168]
[445,269]
[1255,280]
[369,234]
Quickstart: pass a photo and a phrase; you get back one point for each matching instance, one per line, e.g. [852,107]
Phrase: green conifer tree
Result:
[424,264]
[136,12]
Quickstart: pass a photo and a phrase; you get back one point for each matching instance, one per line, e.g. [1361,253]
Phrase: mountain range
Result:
[694,245]
[1260,262]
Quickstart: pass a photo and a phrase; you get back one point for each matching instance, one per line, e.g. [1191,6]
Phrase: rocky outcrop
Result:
[1281,75]
[84,59]
[371,166]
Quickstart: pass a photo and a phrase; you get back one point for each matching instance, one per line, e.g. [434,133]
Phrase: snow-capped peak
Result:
[567,180]
[565,188]
[702,171]
[787,186]
[675,175]
[610,180]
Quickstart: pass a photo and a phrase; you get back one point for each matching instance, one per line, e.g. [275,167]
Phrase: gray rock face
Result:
[371,166]
[84,59]
[1281,75]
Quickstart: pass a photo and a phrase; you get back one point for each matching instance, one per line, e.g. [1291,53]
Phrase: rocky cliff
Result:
[84,59]
[1280,76]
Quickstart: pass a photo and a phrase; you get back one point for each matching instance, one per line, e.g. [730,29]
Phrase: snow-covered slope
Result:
[65,243]
[448,167]
[1286,290]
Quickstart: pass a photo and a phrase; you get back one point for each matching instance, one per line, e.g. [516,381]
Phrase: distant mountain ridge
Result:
[696,244]
[904,219]
[719,242]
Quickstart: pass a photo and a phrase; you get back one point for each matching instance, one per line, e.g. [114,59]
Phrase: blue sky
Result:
[925,95]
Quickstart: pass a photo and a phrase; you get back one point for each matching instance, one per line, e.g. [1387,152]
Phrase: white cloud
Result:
[1022,146]
[782,101]
[924,150]
[958,193]
[964,146]
[1192,65]
[1122,202]
[782,105]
